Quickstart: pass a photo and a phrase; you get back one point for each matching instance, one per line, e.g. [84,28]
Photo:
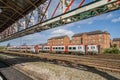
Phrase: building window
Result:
[79,47]
[93,40]
[100,35]
[100,40]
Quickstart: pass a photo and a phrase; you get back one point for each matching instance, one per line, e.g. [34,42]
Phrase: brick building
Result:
[116,42]
[60,40]
[94,37]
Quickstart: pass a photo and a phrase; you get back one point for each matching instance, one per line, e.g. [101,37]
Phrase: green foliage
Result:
[111,51]
[2,48]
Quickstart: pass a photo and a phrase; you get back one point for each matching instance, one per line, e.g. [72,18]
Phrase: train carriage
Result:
[76,49]
[72,49]
[58,49]
[46,48]
[93,49]
[40,48]
[22,48]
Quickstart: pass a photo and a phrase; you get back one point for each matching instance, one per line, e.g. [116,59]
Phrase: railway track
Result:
[108,63]
[75,61]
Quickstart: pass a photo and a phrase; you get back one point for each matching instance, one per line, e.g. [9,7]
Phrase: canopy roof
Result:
[12,10]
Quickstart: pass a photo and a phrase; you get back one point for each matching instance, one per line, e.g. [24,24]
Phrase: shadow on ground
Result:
[24,59]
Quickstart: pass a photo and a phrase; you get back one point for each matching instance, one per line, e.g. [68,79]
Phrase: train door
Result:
[36,49]
[66,49]
[86,49]
[50,49]
[26,49]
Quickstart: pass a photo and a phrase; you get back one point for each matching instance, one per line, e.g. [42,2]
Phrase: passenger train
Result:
[71,49]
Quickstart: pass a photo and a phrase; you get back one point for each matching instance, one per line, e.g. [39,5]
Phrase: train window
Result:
[59,47]
[70,47]
[79,47]
[40,48]
[91,47]
[56,47]
[74,48]
[62,47]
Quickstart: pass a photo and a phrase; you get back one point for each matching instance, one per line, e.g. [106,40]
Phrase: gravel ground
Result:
[48,71]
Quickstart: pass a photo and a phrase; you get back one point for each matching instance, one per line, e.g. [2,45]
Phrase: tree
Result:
[8,45]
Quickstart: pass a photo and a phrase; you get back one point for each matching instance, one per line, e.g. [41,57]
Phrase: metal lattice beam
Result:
[95,8]
[15,10]
[12,8]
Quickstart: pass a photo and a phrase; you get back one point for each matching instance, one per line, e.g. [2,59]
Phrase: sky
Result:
[107,22]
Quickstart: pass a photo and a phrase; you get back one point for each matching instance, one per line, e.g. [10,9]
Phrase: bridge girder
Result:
[81,13]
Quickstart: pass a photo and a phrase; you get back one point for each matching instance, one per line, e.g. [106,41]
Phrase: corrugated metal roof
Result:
[12,10]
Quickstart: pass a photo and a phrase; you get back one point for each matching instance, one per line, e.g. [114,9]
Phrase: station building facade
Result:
[59,40]
[116,42]
[98,37]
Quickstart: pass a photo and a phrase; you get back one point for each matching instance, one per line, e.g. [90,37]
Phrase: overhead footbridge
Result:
[89,10]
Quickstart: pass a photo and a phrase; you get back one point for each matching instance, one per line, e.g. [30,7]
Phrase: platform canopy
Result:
[12,10]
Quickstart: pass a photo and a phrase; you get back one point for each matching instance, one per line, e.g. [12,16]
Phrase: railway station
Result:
[59,40]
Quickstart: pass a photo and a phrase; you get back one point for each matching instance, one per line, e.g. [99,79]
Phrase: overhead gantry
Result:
[92,9]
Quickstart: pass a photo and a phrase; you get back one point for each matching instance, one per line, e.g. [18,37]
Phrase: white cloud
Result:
[109,16]
[116,20]
[32,36]
[79,26]
[88,21]
[60,32]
